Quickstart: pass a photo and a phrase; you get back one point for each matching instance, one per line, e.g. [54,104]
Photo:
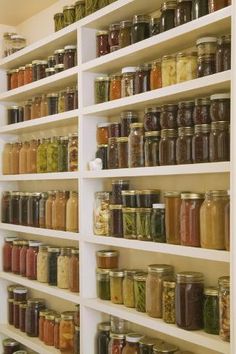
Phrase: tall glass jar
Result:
[52,155]
[42,210]
[102,84]
[112,153]
[173,204]
[49,329]
[103,337]
[211,310]
[32,156]
[184,145]
[48,209]
[42,155]
[128,288]
[151,148]
[140,28]
[31,260]
[36,107]
[14,212]
[115,87]
[168,9]
[101,213]
[219,142]
[42,264]
[136,145]
[132,343]
[74,271]
[66,332]
[15,158]
[167,147]
[73,152]
[56,332]
[79,10]
[215,5]
[154,288]
[5,207]
[116,344]
[183,13]
[59,211]
[223,54]
[53,254]
[7,253]
[224,307]
[69,15]
[140,291]
[72,212]
[23,157]
[103,284]
[168,300]
[15,256]
[33,209]
[127,81]
[143,224]
[199,8]
[27,110]
[32,316]
[23,252]
[200,143]
[168,70]
[125,33]
[129,223]
[158,233]
[63,268]
[155,75]
[116,286]
[6,167]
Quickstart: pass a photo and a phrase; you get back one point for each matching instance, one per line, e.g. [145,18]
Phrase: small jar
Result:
[201,112]
[186,63]
[114,30]
[112,154]
[151,119]
[69,15]
[31,260]
[20,293]
[70,56]
[223,54]
[151,148]
[79,10]
[224,308]
[116,286]
[132,343]
[156,75]
[155,26]
[28,74]
[140,28]
[117,343]
[115,87]
[127,118]
[168,9]
[136,145]
[158,232]
[10,346]
[142,79]
[164,347]
[107,259]
[168,70]
[168,300]
[206,46]
[102,41]
[129,199]
[103,284]
[167,147]
[21,76]
[172,220]
[206,65]
[53,254]
[200,143]
[143,224]
[58,21]
[42,264]
[34,306]
[128,288]
[102,84]
[63,268]
[211,310]
[183,12]
[199,8]
[125,33]
[114,130]
[185,114]
[168,116]
[215,5]
[220,107]
[66,332]
[189,314]
[41,67]
[73,152]
[103,337]
[115,220]
[128,81]
[184,146]
[122,146]
[140,291]
[49,72]
[59,56]
[129,223]
[219,142]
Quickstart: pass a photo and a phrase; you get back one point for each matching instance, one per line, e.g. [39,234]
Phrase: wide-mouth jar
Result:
[107,259]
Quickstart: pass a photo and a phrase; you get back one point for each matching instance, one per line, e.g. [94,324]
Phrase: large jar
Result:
[103,337]
[184,146]
[199,8]
[167,147]
[128,288]
[42,210]
[168,9]
[36,107]
[101,213]
[32,316]
[132,343]
[23,252]
[127,118]
[125,33]
[103,284]
[15,158]
[140,28]
[59,211]
[223,54]
[212,220]
[31,260]
[52,155]
[116,344]
[168,117]
[74,271]
[102,43]
[173,204]
[136,145]
[189,314]
[183,12]
[16,313]
[224,308]
[143,224]
[53,254]
[42,264]
[220,107]
[7,253]
[186,64]
[14,211]
[155,75]
[42,155]
[151,119]
[48,209]
[142,79]
[168,300]
[33,209]
[63,268]
[73,152]
[117,187]
[219,142]
[140,291]
[127,81]
[151,148]
[154,288]
[5,207]
[211,310]
[185,114]
[115,220]
[102,84]
[49,329]
[158,233]
[32,156]
[116,286]
[200,143]
[168,70]
[112,153]
[72,212]
[201,112]
[66,332]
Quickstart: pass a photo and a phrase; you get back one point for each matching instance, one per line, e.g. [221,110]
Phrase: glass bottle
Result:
[66,332]
[48,209]
[73,152]
[31,260]
[15,158]
[102,84]
[63,154]
[224,307]
[183,12]
[63,268]
[116,344]
[42,156]
[7,253]
[127,118]
[168,300]
[33,209]
[56,332]
[184,145]
[122,147]
[36,107]
[6,167]
[167,147]
[52,155]
[53,254]
[158,232]
[172,220]
[116,286]
[136,145]
[155,75]
[143,224]
[15,257]
[186,64]
[103,337]
[32,156]
[211,310]
[14,213]
[59,211]
[199,8]
[74,271]
[72,212]
[151,148]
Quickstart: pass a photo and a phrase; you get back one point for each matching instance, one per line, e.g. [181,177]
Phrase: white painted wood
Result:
[40,176]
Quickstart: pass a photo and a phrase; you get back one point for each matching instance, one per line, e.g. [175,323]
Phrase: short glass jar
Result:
[136,145]
[73,152]
[220,107]
[125,33]
[143,224]
[164,347]
[183,12]
[167,147]
[70,57]
[168,300]
[184,146]
[74,271]
[115,87]
[42,264]
[147,197]
[10,346]
[168,70]
[129,223]
[102,84]
[211,310]
[142,79]
[102,43]
[116,286]
[200,143]
[69,15]
[224,308]
[115,220]
[140,28]
[52,99]
[219,142]
[107,259]
[140,291]
[151,148]
[155,75]
[128,81]
[146,345]
[168,116]
[151,119]
[186,64]
[66,332]
[79,9]
[158,233]
[168,9]
[206,46]
[172,220]
[113,38]
[103,284]
[118,186]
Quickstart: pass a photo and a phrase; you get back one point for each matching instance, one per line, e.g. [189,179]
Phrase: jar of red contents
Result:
[117,343]
[31,260]
[7,253]
[49,323]
[42,315]
[114,32]
[114,129]
[70,57]
[201,112]
[34,306]
[103,47]
[10,346]
[102,133]
[70,99]
[56,332]
[167,147]
[155,75]
[59,56]
[28,74]
[168,117]
[8,80]
[190,219]
[23,251]
[200,143]
[115,87]
[6,201]
[223,54]
[185,114]
[107,259]
[10,312]
[74,271]
[21,75]
[142,79]
[20,293]
[151,120]
[22,316]
[66,332]
[14,78]
[15,260]
[41,69]
[215,5]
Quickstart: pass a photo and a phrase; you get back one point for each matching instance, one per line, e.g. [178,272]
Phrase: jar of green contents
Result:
[102,89]
[158,231]
[125,33]
[143,224]
[69,15]
[91,6]
[52,155]
[129,223]
[58,21]
[128,287]
[103,284]
[211,310]
[140,291]
[52,99]
[79,10]
[63,154]
[42,156]
[102,3]
[61,101]
[116,286]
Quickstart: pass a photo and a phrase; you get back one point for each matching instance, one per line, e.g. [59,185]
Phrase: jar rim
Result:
[129,210]
[100,33]
[172,194]
[160,268]
[133,337]
[211,290]
[153,133]
[218,193]
[192,196]
[224,281]
[128,69]
[107,253]
[142,276]
[220,96]
[186,277]
[67,315]
[104,326]
[115,206]
[148,191]
[122,139]
[206,40]
[158,206]
[117,273]
[129,192]
[117,335]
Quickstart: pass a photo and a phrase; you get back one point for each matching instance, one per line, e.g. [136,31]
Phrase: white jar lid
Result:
[158,206]
[206,39]
[219,96]
[128,69]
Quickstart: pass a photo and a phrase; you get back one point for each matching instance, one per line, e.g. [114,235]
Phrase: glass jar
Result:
[122,147]
[7,253]
[107,259]
[101,213]
[127,118]
[189,286]
[151,148]
[59,56]
[70,99]
[223,54]
[116,286]
[31,260]
[117,187]
[21,76]
[212,220]
[102,85]
[51,61]
[32,156]
[72,212]
[79,10]
[23,252]
[23,157]
[63,268]
[184,146]
[73,152]
[42,156]
[6,166]
[183,12]
[48,209]
[6,207]
[147,197]
[168,9]
[10,314]
[69,15]
[58,21]
[49,72]
[155,75]
[77,340]
[74,271]
[146,345]
[128,81]
[15,208]
[101,153]
[227,226]
[168,116]
[115,87]
[128,288]
[224,308]
[118,325]
[34,69]
[33,209]
[219,142]
[200,143]
[15,114]
[70,56]
[112,154]
[129,199]
[206,65]
[34,306]
[14,78]
[114,30]
[41,67]
[28,78]
[125,33]
[15,257]
[199,8]
[158,232]
[172,220]
[15,158]
[186,63]
[185,114]
[59,211]
[103,337]
[168,70]
[143,224]
[206,46]
[42,264]
[66,332]
[164,347]
[154,288]
[129,223]
[36,107]
[142,79]
[10,346]
[102,133]
[215,5]
[140,28]
[155,26]
[115,220]
[49,329]
[220,107]
[27,110]
[132,343]
[103,284]
[61,101]
[22,313]
[211,310]
[56,332]
[53,254]
[63,154]
[117,343]
[102,43]
[168,300]
[52,99]
[52,154]
[167,147]
[136,145]
[140,291]
[201,112]
[114,130]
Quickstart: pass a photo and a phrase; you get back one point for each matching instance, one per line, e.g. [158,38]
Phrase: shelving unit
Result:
[196,177]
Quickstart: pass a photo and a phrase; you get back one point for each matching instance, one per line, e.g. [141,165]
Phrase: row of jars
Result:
[62,59]
[12,43]
[57,210]
[31,316]
[214,55]
[11,346]
[46,264]
[57,154]
[173,14]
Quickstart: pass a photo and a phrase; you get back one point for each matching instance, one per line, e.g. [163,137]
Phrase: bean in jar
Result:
[102,84]
[128,288]
[5,206]
[140,291]
[172,220]
[168,300]
[103,284]
[211,310]
[101,213]
[128,81]
[186,66]
[158,233]
[140,28]
[129,223]
[69,15]
[58,21]
[136,145]
[74,271]
[223,54]
[168,9]
[125,33]
[116,286]
[168,70]
[102,41]
[63,154]
[143,224]
[167,147]
[79,10]
[224,307]
[151,148]
[219,144]
[115,221]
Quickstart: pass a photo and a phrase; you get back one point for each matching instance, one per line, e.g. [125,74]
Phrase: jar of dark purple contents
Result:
[34,306]
[151,119]
[140,28]
[183,13]
[117,187]
[206,65]
[33,209]
[10,346]
[114,31]
[101,153]
[41,69]
[70,99]
[167,147]
[6,202]
[220,107]
[102,40]
[201,112]
[127,118]
[114,130]
[70,57]
[59,56]
[168,15]
[168,117]
[185,114]
[142,79]
[223,54]
[15,208]
[24,209]
[189,300]
[184,145]
[219,142]
[116,220]
[199,8]
[112,154]
[155,26]
[200,143]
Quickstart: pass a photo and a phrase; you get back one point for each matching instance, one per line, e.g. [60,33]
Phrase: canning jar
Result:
[22,313]
[36,107]
[125,33]
[74,271]
[151,148]
[48,209]
[42,155]
[9,80]
[118,325]
[129,223]
[27,110]
[117,343]
[71,99]
[212,220]
[42,315]
[15,257]
[42,264]
[73,152]
[15,208]
[136,145]
[118,186]
[56,332]
[72,212]
[52,102]
[154,288]
[158,233]
[143,224]
[61,101]
[10,346]
[59,56]
[201,112]
[215,5]
[114,130]
[49,72]
[16,313]
[28,78]
[79,10]
[220,107]
[31,260]
[151,119]
[129,198]
[15,114]
[140,28]
[23,157]
[14,78]
[102,84]
[168,70]
[168,300]
[186,64]
[41,67]
[7,253]
[183,12]
[184,145]
[49,329]
[10,314]
[168,116]
[70,56]
[140,291]
[132,343]
[63,268]
[206,65]
[5,207]
[63,154]
[112,154]
[34,306]
[77,340]
[103,337]
[116,286]
[107,259]
[224,308]
[69,15]
[156,75]
[142,79]
[211,310]
[219,143]
[32,156]
[147,197]
[223,54]
[127,118]
[146,345]
[189,300]
[167,147]
[23,252]
[185,114]
[15,158]
[21,76]
[103,284]
[155,26]
[128,81]
[33,209]
[199,8]
[59,211]
[113,38]
[128,287]
[53,254]
[206,46]
[115,87]
[172,220]
[58,21]
[6,154]
[66,332]
[227,226]
[122,147]
[115,220]
[102,43]
[101,213]
[168,9]
[34,69]
[164,347]
[200,143]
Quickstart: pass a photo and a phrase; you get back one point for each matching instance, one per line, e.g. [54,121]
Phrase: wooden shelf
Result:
[40,176]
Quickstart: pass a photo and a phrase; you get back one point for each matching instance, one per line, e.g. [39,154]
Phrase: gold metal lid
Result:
[160,268]
[129,210]
[117,273]
[122,139]
[211,291]
[165,348]
[188,277]
[148,191]
[218,193]
[129,192]
[67,315]
[136,125]
[117,336]
[115,206]
[172,194]
[152,133]
[107,253]
[192,196]
[142,276]
[104,326]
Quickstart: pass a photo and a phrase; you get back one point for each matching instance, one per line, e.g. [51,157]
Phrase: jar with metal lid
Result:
[52,101]
[102,84]
[22,313]
[158,232]
[186,63]
[31,260]
[63,154]
[14,211]
[41,67]
[215,5]
[69,15]
[59,56]
[42,264]
[102,43]
[66,332]
[72,212]
[143,224]
[5,207]
[7,43]
[23,157]
[168,70]
[155,26]
[200,143]
[7,253]
[70,99]
[79,10]
[42,156]
[219,142]
[15,158]
[127,118]
[129,223]
[32,156]
[103,284]
[125,33]
[114,31]
[32,316]
[52,154]
[156,75]
[73,152]
[49,72]
[116,286]
[34,69]
[168,116]
[167,147]
[118,325]
[136,145]
[53,254]
[147,197]
[189,300]
[10,313]
[15,257]
[206,65]
[117,187]
[14,78]
[70,56]
[103,337]
[212,219]
[10,346]
[61,100]
[21,76]
[154,288]
[132,343]
[33,209]
[58,21]
[128,81]
[59,211]
[129,198]
[146,345]
[115,87]
[199,8]
[140,28]
[206,46]
[115,220]
[168,300]
[122,147]
[211,310]
[224,308]
[142,79]
[56,332]
[168,9]
[15,114]
[201,112]
[49,329]
[42,315]
[28,78]
[183,12]
[117,343]
[151,148]
[101,213]
[36,107]
[223,54]
[227,226]
[128,287]
[184,146]
[172,220]
[220,107]
[48,209]
[164,347]
[112,154]
[23,252]
[140,291]
[74,271]
[18,42]
[63,268]
[185,114]
[107,259]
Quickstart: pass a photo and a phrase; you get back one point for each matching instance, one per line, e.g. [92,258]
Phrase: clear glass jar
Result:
[128,288]
[151,119]
[41,67]
[114,30]
[168,70]
[140,291]
[206,46]
[49,329]
[103,337]
[215,5]
[79,10]
[74,271]
[201,112]
[6,167]
[17,43]
[52,154]
[15,114]
[10,346]
[31,260]
[143,224]
[185,114]
[53,254]
[116,286]
[122,147]
[102,85]
[172,220]
[156,75]
[22,314]
[59,211]
[112,154]
[128,81]
[183,12]
[69,15]
[52,100]
[167,147]
[132,343]
[154,288]
[117,343]
[63,154]
[168,300]
[206,65]
[168,116]
[125,33]
[146,345]
[21,76]
[61,102]
[36,107]
[118,325]
[158,232]
[186,63]
[56,332]
[168,9]
[223,54]
[129,199]
[28,78]
[129,223]
[115,87]
[7,43]
[102,133]
[14,212]
[73,152]
[32,156]
[220,107]
[72,212]
[136,145]
[42,156]
[212,220]
[184,146]
[140,28]
[189,314]
[102,43]
[211,310]
[42,264]
[151,148]
[66,332]
[199,8]
[142,79]
[101,153]
[5,207]
[103,284]
[32,316]
[101,213]
[23,252]
[115,220]
[224,308]
[155,26]
[219,142]
[63,268]
[48,209]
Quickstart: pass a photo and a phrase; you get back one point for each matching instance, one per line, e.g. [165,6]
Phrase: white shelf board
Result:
[48,84]
[43,287]
[187,90]
[199,338]
[201,168]
[183,251]
[168,42]
[56,120]
[65,235]
[30,342]
[40,176]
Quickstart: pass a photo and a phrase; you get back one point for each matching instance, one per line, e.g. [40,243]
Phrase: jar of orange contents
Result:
[66,332]
[49,324]
[56,332]
[102,134]
[74,271]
